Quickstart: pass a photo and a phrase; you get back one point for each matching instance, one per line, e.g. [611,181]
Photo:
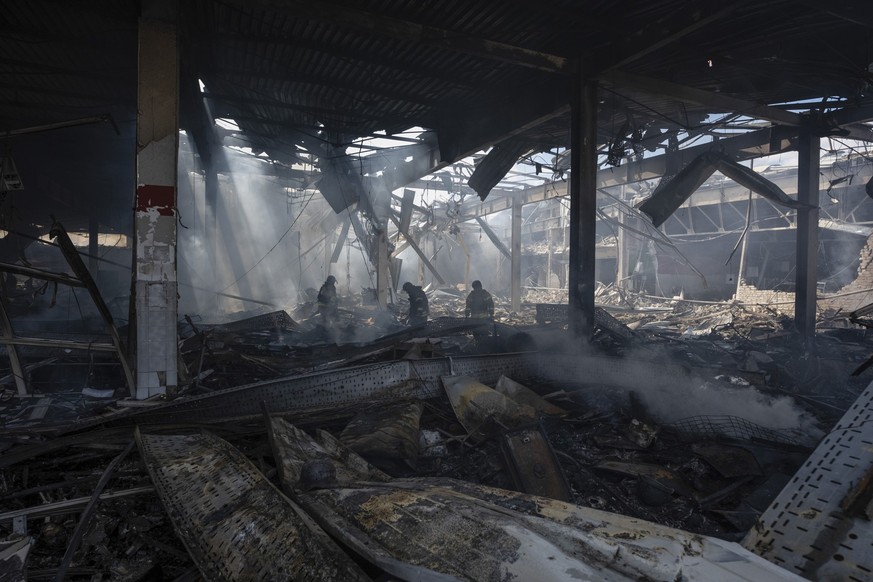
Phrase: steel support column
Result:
[583,204]
[383,275]
[515,270]
[807,236]
[157,137]
[93,249]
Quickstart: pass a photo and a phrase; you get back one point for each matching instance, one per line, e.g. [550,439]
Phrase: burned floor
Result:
[273,458]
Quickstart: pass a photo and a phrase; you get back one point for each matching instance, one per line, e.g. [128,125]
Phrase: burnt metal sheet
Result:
[524,395]
[805,529]
[481,410]
[235,524]
[443,529]
[292,448]
[480,533]
[532,463]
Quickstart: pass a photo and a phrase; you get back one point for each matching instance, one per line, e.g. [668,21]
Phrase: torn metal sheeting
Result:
[533,465]
[524,395]
[389,431]
[292,448]
[481,410]
[672,193]
[234,522]
[13,557]
[480,533]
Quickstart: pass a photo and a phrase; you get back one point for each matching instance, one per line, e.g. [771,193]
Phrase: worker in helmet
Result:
[418,309]
[480,304]
[328,304]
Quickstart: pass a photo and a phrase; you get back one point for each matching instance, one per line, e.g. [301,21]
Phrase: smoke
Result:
[670,393]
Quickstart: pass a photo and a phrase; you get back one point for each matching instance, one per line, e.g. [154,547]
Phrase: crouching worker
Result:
[418,309]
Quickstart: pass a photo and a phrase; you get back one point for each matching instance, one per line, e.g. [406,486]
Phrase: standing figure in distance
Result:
[480,304]
[328,305]
[418,309]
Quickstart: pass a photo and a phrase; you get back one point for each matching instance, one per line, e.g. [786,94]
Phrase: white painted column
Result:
[157,136]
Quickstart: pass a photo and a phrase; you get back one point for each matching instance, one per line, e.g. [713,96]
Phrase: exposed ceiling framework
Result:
[322,75]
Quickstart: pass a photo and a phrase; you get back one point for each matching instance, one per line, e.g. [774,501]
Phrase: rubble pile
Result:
[88,488]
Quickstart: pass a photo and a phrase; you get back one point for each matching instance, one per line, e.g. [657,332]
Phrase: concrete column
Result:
[383,274]
[157,137]
[583,203]
[807,236]
[515,253]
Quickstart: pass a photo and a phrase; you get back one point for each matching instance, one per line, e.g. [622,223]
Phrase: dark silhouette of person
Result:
[480,304]
[328,304]
[418,309]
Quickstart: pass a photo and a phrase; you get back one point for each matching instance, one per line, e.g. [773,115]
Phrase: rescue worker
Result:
[480,304]
[418,309]
[328,304]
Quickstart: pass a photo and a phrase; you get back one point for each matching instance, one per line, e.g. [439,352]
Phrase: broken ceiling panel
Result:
[495,165]
[670,195]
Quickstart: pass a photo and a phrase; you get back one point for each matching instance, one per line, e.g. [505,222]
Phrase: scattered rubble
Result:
[73,502]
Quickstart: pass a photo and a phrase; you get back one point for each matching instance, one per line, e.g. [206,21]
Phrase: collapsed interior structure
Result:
[668,200]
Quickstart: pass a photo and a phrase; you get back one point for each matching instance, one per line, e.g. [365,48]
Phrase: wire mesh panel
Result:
[728,426]
[400,379]
[235,524]
[819,525]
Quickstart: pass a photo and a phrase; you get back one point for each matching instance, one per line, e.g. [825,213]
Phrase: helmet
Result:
[330,279]
[477,284]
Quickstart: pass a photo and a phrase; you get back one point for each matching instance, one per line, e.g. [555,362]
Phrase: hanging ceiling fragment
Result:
[670,196]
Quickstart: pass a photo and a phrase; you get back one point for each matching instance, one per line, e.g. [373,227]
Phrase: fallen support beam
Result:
[7,333]
[69,505]
[408,238]
[53,343]
[489,232]
[235,524]
[62,278]
[85,518]
[78,266]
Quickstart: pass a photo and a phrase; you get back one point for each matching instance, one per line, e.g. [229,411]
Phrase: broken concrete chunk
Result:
[524,395]
[481,410]
[388,432]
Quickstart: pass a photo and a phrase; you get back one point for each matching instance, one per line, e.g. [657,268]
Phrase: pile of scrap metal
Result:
[238,526]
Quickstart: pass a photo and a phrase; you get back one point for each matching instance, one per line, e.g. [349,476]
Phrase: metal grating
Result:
[235,524]
[400,379]
[729,426]
[805,530]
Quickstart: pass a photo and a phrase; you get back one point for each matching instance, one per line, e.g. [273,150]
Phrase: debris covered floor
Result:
[690,416]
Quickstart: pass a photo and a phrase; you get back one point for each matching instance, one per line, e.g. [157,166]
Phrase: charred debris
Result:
[290,447]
